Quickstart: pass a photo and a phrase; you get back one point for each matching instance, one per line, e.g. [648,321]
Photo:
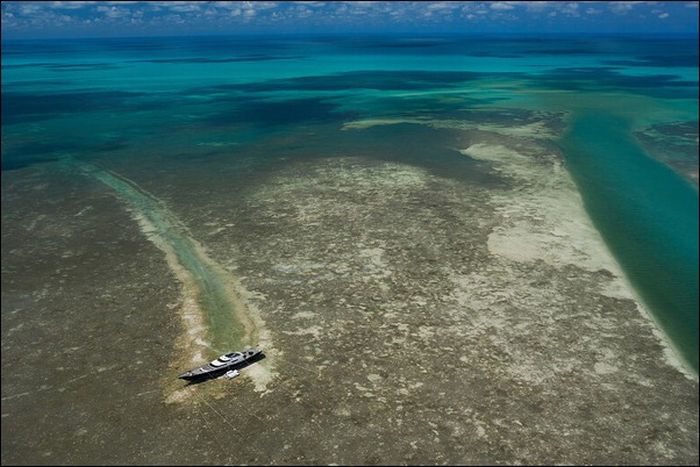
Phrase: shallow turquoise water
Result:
[648,216]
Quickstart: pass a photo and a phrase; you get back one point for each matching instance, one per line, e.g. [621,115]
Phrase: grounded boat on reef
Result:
[223,364]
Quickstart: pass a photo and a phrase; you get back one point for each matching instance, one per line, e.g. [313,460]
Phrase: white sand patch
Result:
[534,130]
[496,153]
[314,331]
[374,378]
[304,315]
[299,267]
[262,372]
[603,368]
[179,396]
[545,220]
[83,211]
[261,375]
[217,230]
[370,122]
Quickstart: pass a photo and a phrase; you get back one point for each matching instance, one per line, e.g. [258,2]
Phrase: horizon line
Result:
[364,34]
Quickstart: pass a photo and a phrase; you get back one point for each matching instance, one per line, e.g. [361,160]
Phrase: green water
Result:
[648,217]
[223,331]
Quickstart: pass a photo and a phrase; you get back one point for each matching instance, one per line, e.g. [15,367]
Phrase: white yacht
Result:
[223,364]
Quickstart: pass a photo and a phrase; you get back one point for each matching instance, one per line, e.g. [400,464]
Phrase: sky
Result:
[46,19]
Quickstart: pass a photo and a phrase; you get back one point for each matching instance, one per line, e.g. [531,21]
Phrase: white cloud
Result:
[443,6]
[570,9]
[69,5]
[227,5]
[369,13]
[622,7]
[177,6]
[537,6]
[303,12]
[29,9]
[261,5]
[501,6]
[8,19]
[185,8]
[175,18]
[113,11]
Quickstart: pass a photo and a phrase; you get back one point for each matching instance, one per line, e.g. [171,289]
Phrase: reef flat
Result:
[411,308]
[676,145]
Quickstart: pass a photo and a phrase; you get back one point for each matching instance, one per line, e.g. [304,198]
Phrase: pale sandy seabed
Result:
[415,319]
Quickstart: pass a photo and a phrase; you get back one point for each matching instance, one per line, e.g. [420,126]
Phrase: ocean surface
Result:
[171,123]
[178,100]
